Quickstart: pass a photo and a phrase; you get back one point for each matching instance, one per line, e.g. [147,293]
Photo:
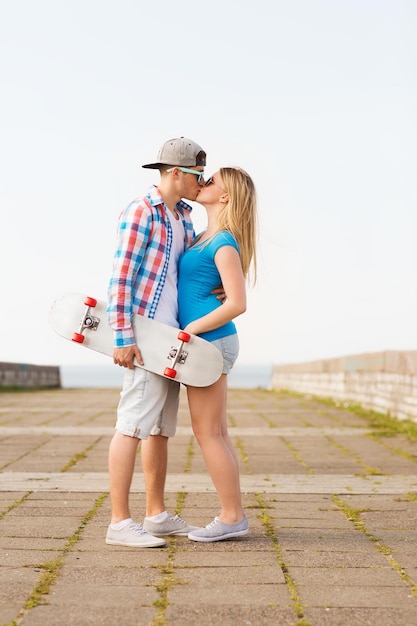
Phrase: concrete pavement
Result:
[332,510]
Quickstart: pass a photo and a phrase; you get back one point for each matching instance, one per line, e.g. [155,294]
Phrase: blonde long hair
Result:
[239,216]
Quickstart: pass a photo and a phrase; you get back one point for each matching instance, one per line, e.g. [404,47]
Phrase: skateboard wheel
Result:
[169,372]
[78,338]
[183,336]
[90,301]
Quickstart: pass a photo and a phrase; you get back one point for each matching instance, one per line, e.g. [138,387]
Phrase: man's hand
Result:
[124,356]
[220,293]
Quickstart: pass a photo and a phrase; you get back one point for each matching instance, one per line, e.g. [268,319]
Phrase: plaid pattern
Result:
[140,264]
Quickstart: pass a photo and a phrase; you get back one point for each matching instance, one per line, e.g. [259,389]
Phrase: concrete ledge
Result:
[382,381]
[28,376]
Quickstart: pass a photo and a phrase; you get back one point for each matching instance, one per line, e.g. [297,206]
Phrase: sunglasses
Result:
[211,181]
[200,175]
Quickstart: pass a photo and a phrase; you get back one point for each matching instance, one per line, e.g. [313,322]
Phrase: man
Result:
[153,232]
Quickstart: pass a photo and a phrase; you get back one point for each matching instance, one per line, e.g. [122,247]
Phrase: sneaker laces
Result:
[214,522]
[177,519]
[137,528]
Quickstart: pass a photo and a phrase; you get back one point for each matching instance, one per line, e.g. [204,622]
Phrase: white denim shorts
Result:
[229,347]
[148,405]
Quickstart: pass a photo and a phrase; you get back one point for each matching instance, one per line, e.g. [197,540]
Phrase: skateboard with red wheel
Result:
[165,350]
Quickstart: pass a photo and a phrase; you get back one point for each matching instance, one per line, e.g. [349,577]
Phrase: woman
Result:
[223,253]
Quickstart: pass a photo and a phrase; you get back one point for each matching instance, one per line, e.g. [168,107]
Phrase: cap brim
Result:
[152,166]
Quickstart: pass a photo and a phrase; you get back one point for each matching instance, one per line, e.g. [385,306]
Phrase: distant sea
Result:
[77,376]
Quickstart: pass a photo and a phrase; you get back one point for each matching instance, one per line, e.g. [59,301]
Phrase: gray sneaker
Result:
[218,530]
[171,525]
[134,536]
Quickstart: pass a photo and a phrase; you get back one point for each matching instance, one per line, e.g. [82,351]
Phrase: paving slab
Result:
[332,512]
[374,616]
[347,576]
[232,615]
[356,596]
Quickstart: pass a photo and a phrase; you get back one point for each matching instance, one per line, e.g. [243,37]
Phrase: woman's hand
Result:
[220,293]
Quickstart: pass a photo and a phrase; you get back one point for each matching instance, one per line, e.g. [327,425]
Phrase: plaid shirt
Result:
[141,262]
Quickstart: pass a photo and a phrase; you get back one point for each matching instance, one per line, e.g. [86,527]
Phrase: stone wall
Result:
[383,381]
[29,376]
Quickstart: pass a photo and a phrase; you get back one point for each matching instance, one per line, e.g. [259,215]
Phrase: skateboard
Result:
[166,351]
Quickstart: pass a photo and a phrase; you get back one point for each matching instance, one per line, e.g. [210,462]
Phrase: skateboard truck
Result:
[88,321]
[182,356]
[177,354]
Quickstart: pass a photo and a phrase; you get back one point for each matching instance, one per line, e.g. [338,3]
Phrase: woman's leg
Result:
[209,422]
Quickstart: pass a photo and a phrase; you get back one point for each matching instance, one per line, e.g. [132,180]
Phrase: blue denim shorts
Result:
[229,347]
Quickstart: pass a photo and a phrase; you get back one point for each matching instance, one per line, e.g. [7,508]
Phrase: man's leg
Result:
[148,404]
[135,413]
[154,453]
[158,521]
[122,455]
[123,530]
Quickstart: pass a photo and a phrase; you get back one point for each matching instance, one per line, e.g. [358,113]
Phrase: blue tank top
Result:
[198,275]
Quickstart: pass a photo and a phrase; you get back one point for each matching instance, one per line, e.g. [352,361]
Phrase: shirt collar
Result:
[156,200]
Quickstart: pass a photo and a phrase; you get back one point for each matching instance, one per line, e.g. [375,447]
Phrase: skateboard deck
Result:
[166,351]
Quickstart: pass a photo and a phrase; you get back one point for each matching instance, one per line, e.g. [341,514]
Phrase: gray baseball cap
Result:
[181,152]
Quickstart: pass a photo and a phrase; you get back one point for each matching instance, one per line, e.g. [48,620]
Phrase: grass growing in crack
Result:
[80,456]
[268,421]
[46,581]
[190,455]
[164,586]
[372,471]
[169,579]
[296,455]
[27,453]
[243,455]
[52,419]
[268,525]
[231,420]
[52,568]
[398,451]
[15,504]
[354,515]
[180,501]
[384,424]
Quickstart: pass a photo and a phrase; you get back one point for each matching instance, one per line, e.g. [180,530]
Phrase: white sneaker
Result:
[134,536]
[218,530]
[171,525]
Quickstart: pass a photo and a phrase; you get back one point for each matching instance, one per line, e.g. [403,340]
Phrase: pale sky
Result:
[316,99]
